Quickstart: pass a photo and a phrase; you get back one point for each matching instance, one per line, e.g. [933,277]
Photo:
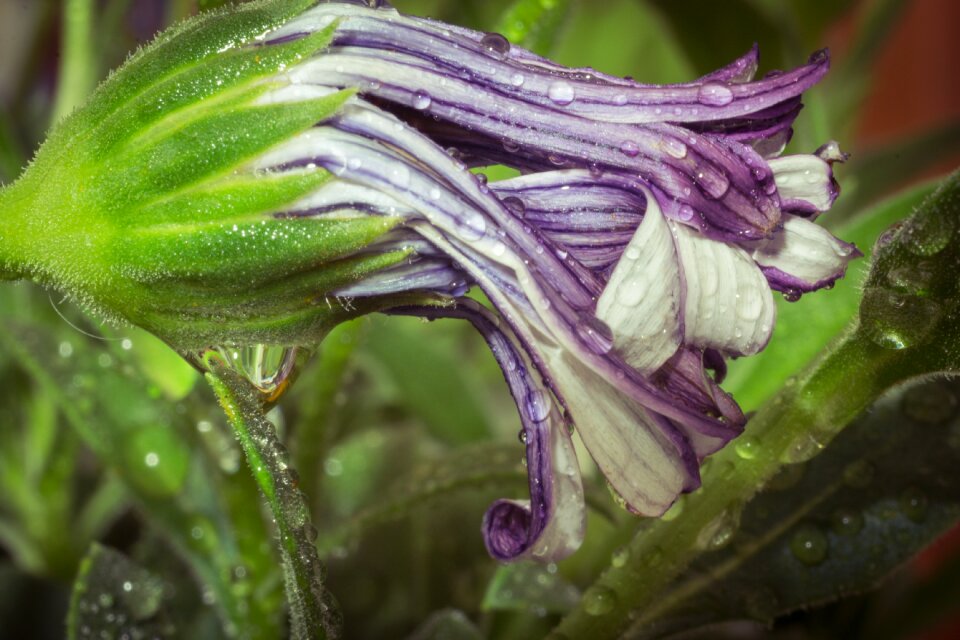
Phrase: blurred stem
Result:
[792,427]
[311,612]
[77,57]
[311,437]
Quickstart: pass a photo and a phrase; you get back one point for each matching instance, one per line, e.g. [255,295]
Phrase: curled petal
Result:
[549,526]
[803,256]
[727,303]
[805,183]
[641,302]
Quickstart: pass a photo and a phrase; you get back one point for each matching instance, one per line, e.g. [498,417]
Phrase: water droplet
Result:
[631,292]
[803,448]
[809,545]
[913,503]
[714,95]
[620,557]
[472,227]
[620,99]
[746,447]
[595,333]
[931,403]
[268,368]
[522,436]
[858,474]
[495,44]
[674,511]
[65,349]
[846,522]
[598,601]
[629,148]
[675,148]
[422,100]
[914,279]
[713,183]
[685,212]
[557,161]
[927,235]
[896,321]
[561,92]
[515,206]
[720,531]
[538,405]
[517,79]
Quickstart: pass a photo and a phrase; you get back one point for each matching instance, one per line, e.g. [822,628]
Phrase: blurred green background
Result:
[402,431]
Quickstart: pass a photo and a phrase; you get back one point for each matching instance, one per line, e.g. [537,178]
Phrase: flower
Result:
[310,164]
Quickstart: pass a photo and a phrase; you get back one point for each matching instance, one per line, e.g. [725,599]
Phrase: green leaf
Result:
[882,491]
[189,497]
[114,597]
[805,327]
[533,24]
[470,467]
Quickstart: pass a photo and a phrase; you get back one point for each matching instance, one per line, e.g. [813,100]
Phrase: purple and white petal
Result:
[642,300]
[805,183]
[803,256]
[727,302]
[550,526]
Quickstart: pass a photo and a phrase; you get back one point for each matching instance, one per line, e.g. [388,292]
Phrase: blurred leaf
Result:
[154,449]
[424,372]
[636,41]
[447,625]
[872,174]
[533,24]
[524,586]
[882,491]
[162,365]
[879,19]
[799,20]
[12,157]
[805,327]
[115,598]
[469,467]
[714,33]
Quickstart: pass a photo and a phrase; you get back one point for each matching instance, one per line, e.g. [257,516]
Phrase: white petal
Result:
[630,450]
[806,178]
[806,251]
[641,302]
[727,302]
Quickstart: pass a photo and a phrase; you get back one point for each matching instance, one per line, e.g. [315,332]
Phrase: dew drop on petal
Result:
[629,148]
[517,79]
[561,92]
[422,100]
[537,405]
[620,99]
[675,148]
[714,95]
[685,212]
[495,44]
[515,206]
[595,333]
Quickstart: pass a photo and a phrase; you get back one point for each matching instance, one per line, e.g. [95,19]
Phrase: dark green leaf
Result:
[882,491]
[115,598]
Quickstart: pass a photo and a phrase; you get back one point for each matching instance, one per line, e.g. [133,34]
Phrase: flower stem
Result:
[77,58]
[312,611]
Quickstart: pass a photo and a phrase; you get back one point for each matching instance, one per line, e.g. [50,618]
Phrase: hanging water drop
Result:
[422,100]
[746,447]
[537,405]
[598,601]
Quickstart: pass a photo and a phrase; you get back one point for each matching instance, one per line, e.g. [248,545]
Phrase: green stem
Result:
[312,612]
[77,60]
[794,426]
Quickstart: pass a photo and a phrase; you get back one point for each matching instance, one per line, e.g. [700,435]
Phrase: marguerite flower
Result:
[292,164]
